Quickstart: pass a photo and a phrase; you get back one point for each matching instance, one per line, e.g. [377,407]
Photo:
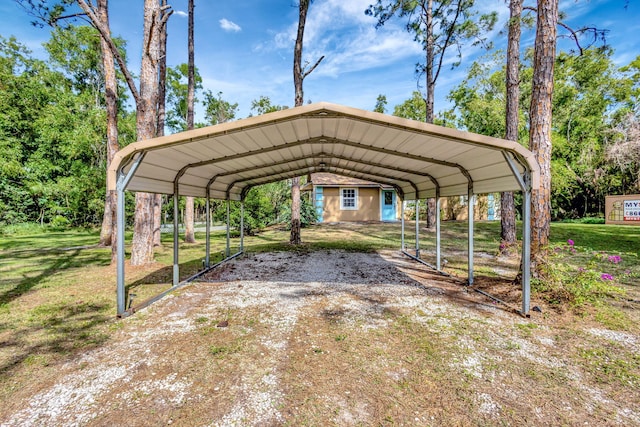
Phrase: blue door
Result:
[491,209]
[388,205]
[319,204]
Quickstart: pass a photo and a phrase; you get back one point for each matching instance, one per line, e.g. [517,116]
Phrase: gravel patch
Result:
[628,340]
[153,365]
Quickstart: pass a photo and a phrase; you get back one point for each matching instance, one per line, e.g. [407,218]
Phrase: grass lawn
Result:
[57,289]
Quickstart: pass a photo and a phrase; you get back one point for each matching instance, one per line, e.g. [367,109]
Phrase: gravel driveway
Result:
[328,338]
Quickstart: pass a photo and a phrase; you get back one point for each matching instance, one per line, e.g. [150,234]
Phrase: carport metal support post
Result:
[121,185]
[404,204]
[470,200]
[120,248]
[207,257]
[526,245]
[228,250]
[438,263]
[417,227]
[524,181]
[242,226]
[176,235]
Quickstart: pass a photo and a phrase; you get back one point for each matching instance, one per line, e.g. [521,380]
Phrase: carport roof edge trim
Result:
[318,111]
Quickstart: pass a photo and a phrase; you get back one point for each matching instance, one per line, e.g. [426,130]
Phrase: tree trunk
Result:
[106,230]
[107,234]
[142,244]
[430,104]
[162,95]
[430,57]
[540,129]
[113,200]
[146,122]
[295,238]
[298,78]
[109,222]
[189,229]
[507,221]
[189,232]
[431,213]
[507,204]
[157,220]
[297,54]
[191,66]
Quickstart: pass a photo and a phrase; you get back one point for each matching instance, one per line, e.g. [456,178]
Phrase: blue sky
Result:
[245,48]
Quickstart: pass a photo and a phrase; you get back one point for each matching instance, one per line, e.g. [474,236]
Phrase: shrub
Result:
[60,221]
[585,220]
[21,229]
[577,286]
[307,214]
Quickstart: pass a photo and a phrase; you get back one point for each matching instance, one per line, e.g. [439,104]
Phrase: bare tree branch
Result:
[104,32]
[447,42]
[575,34]
[43,14]
[72,16]
[165,16]
[306,73]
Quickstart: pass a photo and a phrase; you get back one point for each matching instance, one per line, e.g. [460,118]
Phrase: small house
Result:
[337,198]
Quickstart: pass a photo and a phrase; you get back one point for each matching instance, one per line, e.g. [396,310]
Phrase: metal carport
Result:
[420,160]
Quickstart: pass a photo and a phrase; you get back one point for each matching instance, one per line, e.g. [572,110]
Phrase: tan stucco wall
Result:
[614,209]
[368,206]
[453,209]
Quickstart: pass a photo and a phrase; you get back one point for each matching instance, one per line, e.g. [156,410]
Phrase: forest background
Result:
[53,127]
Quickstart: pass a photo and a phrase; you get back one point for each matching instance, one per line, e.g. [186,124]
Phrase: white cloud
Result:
[347,38]
[182,13]
[364,51]
[227,25]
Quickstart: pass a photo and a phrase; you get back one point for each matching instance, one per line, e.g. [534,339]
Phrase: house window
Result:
[464,199]
[348,198]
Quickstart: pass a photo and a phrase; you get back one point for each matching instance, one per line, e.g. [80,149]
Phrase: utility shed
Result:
[417,159]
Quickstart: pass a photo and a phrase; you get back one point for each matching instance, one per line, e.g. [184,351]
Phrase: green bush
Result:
[585,220]
[59,221]
[21,229]
[575,286]
[307,214]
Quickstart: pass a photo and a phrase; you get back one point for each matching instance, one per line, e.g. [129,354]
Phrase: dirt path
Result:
[337,338]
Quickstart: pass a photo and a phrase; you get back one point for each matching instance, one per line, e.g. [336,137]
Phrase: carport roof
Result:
[414,157]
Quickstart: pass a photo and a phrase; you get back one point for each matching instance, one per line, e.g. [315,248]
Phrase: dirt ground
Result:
[343,339]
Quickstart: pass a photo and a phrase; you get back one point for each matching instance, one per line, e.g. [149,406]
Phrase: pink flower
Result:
[606,276]
[615,259]
[570,242]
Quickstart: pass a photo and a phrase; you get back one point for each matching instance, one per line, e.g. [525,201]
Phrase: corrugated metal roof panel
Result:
[324,138]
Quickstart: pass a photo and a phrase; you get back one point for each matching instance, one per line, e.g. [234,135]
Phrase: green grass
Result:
[219,351]
[57,295]
[44,259]
[612,364]
[57,288]
[609,238]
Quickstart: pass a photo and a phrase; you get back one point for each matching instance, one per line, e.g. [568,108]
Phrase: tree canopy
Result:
[593,111]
